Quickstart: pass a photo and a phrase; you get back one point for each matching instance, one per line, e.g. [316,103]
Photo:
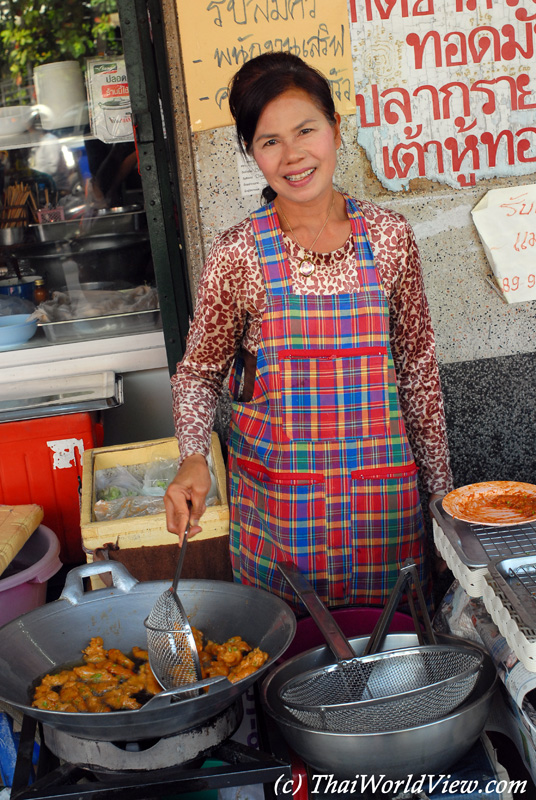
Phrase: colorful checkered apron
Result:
[321,471]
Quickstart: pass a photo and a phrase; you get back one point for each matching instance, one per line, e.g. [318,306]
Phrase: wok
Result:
[425,749]
[110,257]
[54,634]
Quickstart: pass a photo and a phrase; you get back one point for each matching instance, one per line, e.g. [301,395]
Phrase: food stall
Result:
[94,291]
[76,257]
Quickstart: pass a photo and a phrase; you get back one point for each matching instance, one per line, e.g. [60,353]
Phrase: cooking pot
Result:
[109,257]
[425,749]
[52,636]
[19,287]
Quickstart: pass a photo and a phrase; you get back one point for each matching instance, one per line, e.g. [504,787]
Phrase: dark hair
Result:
[263,79]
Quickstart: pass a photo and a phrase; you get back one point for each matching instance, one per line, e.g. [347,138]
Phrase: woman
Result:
[318,300]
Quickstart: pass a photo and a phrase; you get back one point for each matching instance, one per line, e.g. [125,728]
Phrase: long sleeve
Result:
[213,337]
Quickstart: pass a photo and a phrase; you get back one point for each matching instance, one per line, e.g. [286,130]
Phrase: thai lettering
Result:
[462,155]
[456,52]
[322,43]
[405,8]
[361,105]
[525,145]
[241,12]
[517,206]
[340,86]
[453,99]
[493,143]
[414,40]
[511,48]
[471,5]
[448,88]
[484,42]
[522,13]
[524,240]
[393,107]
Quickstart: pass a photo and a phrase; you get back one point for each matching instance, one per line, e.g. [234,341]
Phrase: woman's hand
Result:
[185,496]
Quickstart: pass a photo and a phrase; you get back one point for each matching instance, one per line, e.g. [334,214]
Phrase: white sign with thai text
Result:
[445,89]
[505,220]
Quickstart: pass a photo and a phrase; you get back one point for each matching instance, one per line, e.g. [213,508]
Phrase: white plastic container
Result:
[24,586]
[61,95]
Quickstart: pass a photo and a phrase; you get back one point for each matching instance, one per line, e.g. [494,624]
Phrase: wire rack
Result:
[506,599]
[510,541]
[526,575]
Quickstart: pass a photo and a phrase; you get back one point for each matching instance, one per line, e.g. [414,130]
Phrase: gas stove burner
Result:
[143,769]
[144,755]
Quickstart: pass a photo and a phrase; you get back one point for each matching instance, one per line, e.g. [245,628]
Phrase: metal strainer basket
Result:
[389,691]
[171,644]
[378,692]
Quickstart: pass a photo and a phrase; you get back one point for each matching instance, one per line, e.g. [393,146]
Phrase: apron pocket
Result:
[334,394]
[387,527]
[282,516]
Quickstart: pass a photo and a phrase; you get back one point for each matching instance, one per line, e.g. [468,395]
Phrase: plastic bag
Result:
[127,507]
[158,476]
[213,497]
[77,304]
[112,484]
[10,304]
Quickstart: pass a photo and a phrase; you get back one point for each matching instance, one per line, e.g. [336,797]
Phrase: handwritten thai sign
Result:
[445,89]
[506,223]
[218,36]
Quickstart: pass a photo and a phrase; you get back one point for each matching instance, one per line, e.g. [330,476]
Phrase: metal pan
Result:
[425,749]
[51,636]
[478,545]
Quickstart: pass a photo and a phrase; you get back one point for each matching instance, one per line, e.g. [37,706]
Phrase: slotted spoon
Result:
[171,644]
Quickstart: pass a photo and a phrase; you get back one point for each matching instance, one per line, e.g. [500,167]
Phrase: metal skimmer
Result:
[171,645]
[378,692]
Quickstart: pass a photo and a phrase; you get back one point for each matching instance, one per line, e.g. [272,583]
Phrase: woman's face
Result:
[295,146]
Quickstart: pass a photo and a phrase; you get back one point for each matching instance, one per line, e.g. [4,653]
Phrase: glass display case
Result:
[74,244]
[78,255]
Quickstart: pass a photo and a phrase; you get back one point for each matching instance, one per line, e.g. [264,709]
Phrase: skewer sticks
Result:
[14,211]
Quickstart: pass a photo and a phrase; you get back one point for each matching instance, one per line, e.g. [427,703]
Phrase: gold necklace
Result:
[306,266]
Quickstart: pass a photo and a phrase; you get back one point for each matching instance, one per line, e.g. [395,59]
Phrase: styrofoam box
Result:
[149,529]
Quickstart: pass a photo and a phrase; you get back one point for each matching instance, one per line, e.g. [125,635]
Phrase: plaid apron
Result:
[321,471]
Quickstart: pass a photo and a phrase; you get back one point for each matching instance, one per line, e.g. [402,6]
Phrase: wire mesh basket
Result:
[389,691]
[171,646]
[171,643]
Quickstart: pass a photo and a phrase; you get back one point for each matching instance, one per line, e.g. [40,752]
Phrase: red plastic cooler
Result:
[41,462]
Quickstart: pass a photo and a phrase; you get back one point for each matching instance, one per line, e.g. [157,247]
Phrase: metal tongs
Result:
[331,631]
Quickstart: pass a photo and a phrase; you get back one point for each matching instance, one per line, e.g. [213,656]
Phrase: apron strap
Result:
[273,255]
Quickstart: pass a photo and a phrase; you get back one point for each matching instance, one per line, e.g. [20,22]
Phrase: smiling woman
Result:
[317,302]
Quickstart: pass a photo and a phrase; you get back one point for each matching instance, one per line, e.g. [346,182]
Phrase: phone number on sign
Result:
[514,283]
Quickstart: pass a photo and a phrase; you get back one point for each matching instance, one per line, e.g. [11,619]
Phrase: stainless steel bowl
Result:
[428,749]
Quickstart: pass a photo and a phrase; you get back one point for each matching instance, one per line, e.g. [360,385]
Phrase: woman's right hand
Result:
[185,496]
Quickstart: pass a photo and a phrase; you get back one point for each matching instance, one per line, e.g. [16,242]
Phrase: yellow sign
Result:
[218,36]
